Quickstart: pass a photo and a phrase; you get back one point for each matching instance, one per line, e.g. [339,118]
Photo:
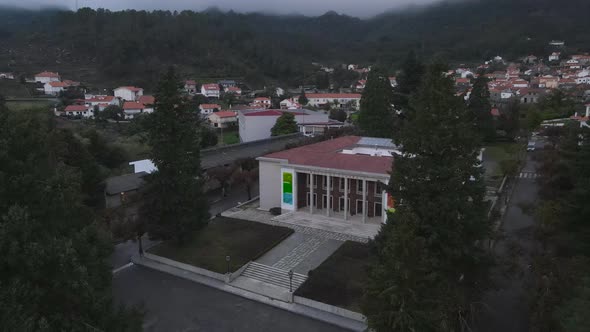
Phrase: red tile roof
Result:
[47,74]
[131,88]
[333,95]
[271,113]
[261,99]
[328,154]
[100,99]
[233,89]
[58,84]
[225,114]
[147,100]
[209,106]
[131,105]
[211,86]
[76,108]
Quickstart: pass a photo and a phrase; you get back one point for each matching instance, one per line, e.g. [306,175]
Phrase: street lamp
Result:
[227,260]
[290,281]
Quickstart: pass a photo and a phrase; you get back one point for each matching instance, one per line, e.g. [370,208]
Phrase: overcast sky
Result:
[362,8]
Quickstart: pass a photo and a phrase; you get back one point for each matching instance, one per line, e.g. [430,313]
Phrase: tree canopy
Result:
[377,117]
[285,125]
[428,261]
[55,272]
[479,104]
[175,204]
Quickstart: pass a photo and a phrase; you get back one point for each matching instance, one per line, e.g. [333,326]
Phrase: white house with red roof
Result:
[83,111]
[210,90]
[360,85]
[132,108]
[223,119]
[261,102]
[207,109]
[554,56]
[234,90]
[128,93]
[255,125]
[190,87]
[342,179]
[46,77]
[290,104]
[393,81]
[53,88]
[342,100]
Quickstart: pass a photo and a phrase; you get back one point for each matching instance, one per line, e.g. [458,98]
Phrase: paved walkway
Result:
[314,225]
[300,252]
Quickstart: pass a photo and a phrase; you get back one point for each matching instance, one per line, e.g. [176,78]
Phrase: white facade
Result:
[210,90]
[256,125]
[79,111]
[128,93]
[53,88]
[46,77]
[223,119]
[583,80]
[341,99]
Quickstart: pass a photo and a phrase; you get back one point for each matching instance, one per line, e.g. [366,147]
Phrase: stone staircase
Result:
[272,275]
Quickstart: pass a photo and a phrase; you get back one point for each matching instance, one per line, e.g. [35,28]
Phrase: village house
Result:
[100,101]
[549,82]
[223,119]
[147,100]
[360,85]
[261,102]
[227,84]
[290,103]
[53,88]
[583,80]
[210,90]
[132,108]
[190,87]
[207,109]
[463,82]
[121,189]
[234,90]
[572,64]
[567,83]
[78,111]
[7,76]
[554,56]
[530,96]
[46,77]
[255,125]
[128,93]
[339,100]
[342,178]
[531,59]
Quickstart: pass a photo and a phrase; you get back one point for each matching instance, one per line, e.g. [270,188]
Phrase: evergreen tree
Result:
[408,81]
[285,125]
[377,116]
[427,261]
[175,204]
[55,272]
[302,98]
[479,105]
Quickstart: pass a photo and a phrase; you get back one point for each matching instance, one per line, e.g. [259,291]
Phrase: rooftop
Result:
[47,74]
[349,153]
[124,183]
[131,105]
[147,100]
[76,108]
[131,88]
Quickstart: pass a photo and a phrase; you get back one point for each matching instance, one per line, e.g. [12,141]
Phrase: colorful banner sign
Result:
[288,188]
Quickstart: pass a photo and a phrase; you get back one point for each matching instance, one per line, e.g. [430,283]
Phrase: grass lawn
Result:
[503,151]
[29,104]
[14,88]
[229,137]
[500,157]
[242,240]
[340,279]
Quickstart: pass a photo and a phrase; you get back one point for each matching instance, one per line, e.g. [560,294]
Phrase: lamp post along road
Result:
[227,259]
[290,281]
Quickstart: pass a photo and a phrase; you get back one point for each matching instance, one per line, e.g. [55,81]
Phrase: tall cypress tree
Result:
[408,81]
[480,106]
[377,117]
[427,260]
[175,204]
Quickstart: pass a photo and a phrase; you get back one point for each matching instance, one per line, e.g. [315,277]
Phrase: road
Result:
[506,307]
[176,304]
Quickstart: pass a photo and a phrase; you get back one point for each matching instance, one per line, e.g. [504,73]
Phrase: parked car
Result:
[531,146]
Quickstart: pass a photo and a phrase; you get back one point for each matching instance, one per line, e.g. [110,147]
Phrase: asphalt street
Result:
[175,304]
[506,308]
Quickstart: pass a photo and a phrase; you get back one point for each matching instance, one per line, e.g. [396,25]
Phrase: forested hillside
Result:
[136,45]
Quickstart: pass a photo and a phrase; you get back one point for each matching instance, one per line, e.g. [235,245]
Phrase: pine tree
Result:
[175,203]
[377,117]
[479,105]
[428,262]
[408,81]
[285,125]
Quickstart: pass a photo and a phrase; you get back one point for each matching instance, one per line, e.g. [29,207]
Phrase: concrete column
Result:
[345,198]
[364,201]
[328,193]
[311,193]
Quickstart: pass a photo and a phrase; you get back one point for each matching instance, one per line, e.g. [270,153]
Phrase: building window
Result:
[325,202]
[378,189]
[325,183]
[315,199]
[359,186]
[359,206]
[378,209]
[315,180]
[341,204]
[342,184]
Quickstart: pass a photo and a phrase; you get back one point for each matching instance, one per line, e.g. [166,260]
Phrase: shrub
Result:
[276,211]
